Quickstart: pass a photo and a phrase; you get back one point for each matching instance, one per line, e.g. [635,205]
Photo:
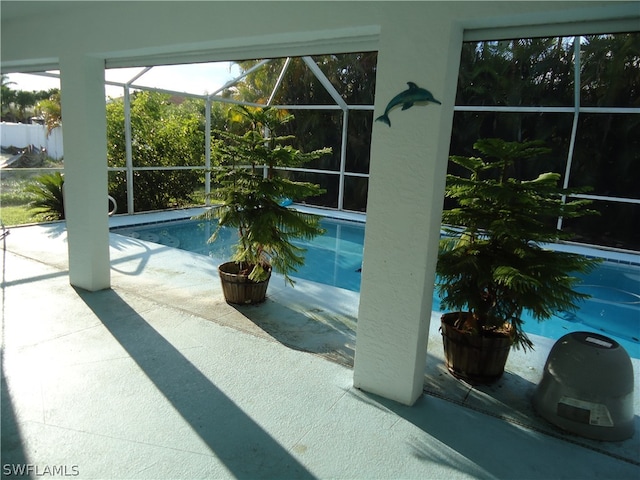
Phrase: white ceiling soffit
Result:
[16,10]
[355,39]
[30,66]
[613,18]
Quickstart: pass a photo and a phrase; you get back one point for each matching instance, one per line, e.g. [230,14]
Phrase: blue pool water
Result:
[336,257]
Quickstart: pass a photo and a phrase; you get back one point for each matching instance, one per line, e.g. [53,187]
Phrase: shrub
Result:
[48,201]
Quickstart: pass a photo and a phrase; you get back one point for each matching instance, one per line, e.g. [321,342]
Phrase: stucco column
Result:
[406,188]
[85,171]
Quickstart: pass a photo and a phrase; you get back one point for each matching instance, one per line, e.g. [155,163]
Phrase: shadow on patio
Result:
[159,378]
[240,443]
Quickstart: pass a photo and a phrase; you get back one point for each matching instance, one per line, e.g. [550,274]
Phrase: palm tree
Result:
[4,80]
[23,101]
[48,201]
[51,110]
[8,95]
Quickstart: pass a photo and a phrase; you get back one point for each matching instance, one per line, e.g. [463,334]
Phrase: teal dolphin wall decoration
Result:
[414,94]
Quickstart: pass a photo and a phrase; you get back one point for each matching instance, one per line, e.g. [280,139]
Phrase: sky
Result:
[193,78]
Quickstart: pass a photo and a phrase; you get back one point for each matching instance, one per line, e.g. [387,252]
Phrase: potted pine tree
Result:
[252,196]
[493,264]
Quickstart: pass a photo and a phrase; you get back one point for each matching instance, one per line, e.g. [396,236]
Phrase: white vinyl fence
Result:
[22,135]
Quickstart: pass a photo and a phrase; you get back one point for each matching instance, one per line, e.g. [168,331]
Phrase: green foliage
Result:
[540,72]
[14,195]
[48,202]
[352,74]
[609,73]
[7,95]
[165,132]
[249,191]
[15,215]
[492,261]
[18,105]
[354,77]
[51,110]
[12,189]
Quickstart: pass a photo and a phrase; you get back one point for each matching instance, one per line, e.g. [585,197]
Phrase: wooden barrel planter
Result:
[475,358]
[238,288]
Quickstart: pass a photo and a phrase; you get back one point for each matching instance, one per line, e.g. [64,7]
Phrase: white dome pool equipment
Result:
[587,387]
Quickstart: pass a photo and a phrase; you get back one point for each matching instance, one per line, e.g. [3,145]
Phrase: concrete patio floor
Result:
[160,378]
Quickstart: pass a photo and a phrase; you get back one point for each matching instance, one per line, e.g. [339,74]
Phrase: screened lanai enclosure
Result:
[581,96]
[404,178]
[578,94]
[330,96]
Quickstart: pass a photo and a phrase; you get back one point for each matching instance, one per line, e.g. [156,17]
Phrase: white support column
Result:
[343,157]
[85,148]
[207,151]
[128,149]
[406,188]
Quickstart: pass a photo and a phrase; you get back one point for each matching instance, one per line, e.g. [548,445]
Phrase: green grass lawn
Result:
[14,200]
[16,215]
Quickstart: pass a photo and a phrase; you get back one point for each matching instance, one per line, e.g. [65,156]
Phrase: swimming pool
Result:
[335,259]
